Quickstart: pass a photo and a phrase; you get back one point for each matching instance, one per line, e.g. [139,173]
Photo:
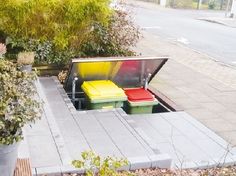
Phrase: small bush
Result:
[25,58]
[18,104]
[186,4]
[212,4]
[114,39]
[95,165]
[54,29]
[57,30]
[66,23]
[45,52]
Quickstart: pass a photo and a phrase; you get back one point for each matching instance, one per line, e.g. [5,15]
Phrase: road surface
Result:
[183,26]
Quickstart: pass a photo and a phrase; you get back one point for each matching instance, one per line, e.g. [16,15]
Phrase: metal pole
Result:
[233,9]
[221,4]
[227,8]
[199,4]
[74,89]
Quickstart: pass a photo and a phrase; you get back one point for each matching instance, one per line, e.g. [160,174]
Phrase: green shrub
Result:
[54,29]
[115,39]
[66,23]
[18,104]
[45,51]
[181,3]
[212,4]
[57,30]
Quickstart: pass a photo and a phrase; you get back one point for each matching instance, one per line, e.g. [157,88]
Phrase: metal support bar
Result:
[73,89]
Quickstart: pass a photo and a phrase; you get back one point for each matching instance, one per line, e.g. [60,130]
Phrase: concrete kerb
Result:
[219,21]
[204,54]
[155,161]
[56,170]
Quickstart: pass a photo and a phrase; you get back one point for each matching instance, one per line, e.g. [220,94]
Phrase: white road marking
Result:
[183,40]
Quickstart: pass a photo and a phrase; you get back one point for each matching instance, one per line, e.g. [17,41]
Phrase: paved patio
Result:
[203,87]
[172,139]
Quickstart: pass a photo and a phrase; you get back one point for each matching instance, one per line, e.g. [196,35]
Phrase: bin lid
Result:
[139,94]
[123,71]
[102,89]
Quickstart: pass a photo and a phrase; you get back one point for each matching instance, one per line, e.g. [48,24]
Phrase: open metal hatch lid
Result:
[123,71]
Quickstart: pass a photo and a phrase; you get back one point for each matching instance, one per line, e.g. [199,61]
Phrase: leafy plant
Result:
[53,29]
[115,39]
[94,164]
[18,102]
[25,58]
[58,30]
[66,23]
[186,4]
[212,4]
[62,76]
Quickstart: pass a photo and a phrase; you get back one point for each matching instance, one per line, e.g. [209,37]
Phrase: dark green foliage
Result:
[114,39]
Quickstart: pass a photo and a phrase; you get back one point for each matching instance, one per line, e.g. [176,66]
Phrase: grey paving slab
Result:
[23,150]
[203,113]
[217,125]
[230,136]
[174,152]
[51,171]
[150,140]
[89,124]
[212,135]
[200,98]
[185,127]
[215,107]
[39,128]
[69,128]
[76,146]
[214,150]
[43,151]
[139,162]
[104,146]
[190,151]
[186,102]
[193,146]
[163,126]
[156,134]
[161,161]
[148,149]
[229,116]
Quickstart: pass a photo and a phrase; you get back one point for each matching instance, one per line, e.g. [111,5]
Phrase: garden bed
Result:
[218,171]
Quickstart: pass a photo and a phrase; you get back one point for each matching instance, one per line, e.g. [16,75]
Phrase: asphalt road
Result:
[183,26]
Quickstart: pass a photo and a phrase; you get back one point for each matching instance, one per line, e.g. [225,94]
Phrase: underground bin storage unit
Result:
[95,83]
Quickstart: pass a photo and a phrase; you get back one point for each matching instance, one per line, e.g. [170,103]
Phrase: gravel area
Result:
[224,171]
